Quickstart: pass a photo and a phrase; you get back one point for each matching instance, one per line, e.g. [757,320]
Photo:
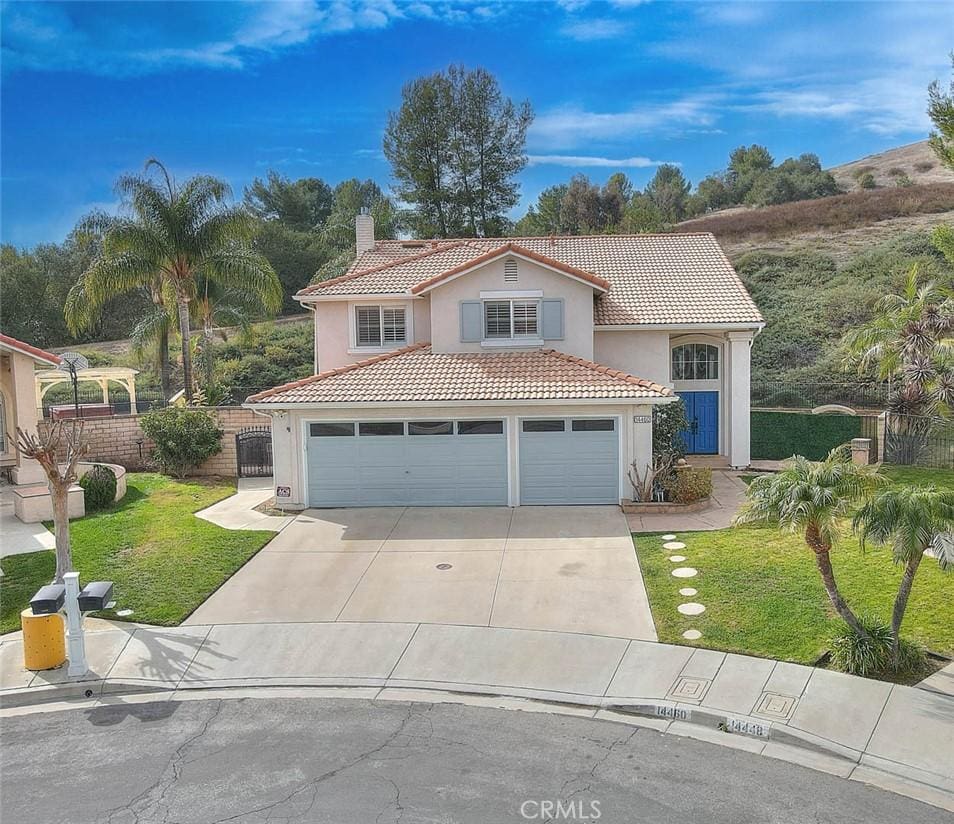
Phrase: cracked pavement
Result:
[279,760]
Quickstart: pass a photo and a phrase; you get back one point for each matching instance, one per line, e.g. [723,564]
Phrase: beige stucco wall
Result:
[641,353]
[20,405]
[577,297]
[289,435]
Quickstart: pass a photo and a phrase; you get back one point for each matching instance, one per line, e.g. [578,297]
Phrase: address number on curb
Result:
[676,713]
[746,727]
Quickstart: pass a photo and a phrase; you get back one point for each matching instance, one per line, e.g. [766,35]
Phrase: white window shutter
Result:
[552,319]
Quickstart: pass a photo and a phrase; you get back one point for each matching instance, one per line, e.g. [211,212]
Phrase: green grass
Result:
[763,594]
[164,561]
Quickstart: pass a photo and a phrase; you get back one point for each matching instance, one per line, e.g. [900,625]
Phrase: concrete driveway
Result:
[551,568]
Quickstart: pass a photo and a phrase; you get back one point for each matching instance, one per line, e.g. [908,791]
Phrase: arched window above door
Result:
[695,362]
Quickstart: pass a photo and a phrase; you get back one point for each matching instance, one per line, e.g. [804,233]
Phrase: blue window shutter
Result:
[471,320]
[553,319]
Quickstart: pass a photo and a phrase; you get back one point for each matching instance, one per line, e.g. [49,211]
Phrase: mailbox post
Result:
[67,597]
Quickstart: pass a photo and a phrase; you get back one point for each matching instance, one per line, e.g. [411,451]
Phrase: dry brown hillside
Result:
[916,160]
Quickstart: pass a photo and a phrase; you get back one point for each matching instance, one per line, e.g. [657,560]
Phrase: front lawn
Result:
[164,561]
[763,595]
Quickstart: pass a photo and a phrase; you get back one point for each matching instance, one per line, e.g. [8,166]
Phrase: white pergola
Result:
[103,376]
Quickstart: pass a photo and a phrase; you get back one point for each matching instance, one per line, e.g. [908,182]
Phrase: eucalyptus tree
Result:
[912,520]
[171,235]
[812,498]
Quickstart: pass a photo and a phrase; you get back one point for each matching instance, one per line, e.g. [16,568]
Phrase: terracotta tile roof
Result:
[37,354]
[414,374]
[653,279]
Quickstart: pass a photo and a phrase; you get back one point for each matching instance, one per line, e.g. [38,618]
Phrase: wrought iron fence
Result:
[253,450]
[911,440]
[789,395]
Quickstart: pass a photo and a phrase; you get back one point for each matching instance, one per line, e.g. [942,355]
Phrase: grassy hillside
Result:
[916,160]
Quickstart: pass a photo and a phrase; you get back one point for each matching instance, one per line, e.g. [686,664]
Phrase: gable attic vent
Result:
[510,270]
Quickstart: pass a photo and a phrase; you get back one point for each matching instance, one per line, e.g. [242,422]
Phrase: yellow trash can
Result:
[44,640]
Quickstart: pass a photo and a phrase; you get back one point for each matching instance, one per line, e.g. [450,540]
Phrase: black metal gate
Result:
[253,449]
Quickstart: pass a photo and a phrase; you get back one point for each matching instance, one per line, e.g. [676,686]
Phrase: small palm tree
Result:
[912,520]
[811,497]
[177,234]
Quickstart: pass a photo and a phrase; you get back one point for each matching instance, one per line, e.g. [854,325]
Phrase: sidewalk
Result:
[728,493]
[238,510]
[898,738]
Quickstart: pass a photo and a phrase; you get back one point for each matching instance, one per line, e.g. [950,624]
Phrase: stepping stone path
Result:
[673,545]
[691,608]
[688,592]
[669,537]
[684,572]
[692,635]
[677,559]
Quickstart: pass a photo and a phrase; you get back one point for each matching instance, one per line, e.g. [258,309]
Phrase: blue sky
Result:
[90,90]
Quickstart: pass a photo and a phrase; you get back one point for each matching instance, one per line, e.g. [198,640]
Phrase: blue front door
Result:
[702,412]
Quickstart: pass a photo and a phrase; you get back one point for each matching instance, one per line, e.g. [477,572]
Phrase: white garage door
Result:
[569,461]
[407,463]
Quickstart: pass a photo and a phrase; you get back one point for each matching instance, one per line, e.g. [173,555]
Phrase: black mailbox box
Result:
[95,596]
[48,600]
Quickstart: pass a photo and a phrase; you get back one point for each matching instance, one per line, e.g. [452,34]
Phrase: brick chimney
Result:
[364,231]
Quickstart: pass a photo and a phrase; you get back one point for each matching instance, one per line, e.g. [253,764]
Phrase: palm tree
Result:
[913,520]
[910,339]
[812,497]
[177,234]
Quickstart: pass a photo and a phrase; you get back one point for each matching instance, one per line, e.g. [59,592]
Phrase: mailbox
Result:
[96,596]
[48,600]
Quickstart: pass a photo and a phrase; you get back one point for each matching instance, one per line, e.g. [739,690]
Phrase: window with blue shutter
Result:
[552,310]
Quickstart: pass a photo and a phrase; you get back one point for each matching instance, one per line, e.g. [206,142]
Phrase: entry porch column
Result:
[739,386]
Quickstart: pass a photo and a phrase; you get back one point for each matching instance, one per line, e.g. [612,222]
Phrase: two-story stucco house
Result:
[510,371]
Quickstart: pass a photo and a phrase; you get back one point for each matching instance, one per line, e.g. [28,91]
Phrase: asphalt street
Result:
[250,761]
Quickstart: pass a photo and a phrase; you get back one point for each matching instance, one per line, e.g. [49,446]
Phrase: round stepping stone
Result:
[669,537]
[688,592]
[671,545]
[684,572]
[691,608]
[692,635]
[677,559]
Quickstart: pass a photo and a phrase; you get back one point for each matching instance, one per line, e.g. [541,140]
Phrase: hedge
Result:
[779,435]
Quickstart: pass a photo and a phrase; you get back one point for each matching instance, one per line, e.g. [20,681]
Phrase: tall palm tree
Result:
[912,520]
[177,233]
[811,497]
[911,340]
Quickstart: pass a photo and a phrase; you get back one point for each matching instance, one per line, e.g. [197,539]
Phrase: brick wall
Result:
[115,440]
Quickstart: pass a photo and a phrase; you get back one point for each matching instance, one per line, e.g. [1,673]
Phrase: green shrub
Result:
[684,486]
[867,181]
[779,435]
[669,421]
[99,488]
[872,657]
[183,438]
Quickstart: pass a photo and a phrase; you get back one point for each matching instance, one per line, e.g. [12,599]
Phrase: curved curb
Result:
[753,734]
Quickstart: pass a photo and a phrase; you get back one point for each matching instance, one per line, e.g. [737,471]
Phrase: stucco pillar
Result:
[642,442]
[740,344]
[286,457]
[26,471]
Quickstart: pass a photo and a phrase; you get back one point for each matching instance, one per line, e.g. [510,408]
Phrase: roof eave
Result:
[279,406]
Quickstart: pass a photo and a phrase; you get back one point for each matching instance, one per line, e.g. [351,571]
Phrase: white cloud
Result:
[587,161]
[572,126]
[601,28]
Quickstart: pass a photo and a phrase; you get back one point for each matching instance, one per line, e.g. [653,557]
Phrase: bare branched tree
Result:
[45,449]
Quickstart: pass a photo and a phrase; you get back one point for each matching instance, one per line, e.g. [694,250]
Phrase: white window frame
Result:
[355,349]
[534,339]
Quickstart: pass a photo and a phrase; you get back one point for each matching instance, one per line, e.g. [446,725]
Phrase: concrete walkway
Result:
[16,537]
[898,738]
[728,493]
[238,511]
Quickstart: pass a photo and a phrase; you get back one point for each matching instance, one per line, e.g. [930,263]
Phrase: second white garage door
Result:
[569,461]
[407,463]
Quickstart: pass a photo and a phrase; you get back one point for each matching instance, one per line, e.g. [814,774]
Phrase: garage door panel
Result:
[569,466]
[399,470]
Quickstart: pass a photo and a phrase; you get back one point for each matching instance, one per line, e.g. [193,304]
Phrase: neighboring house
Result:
[510,371]
[18,405]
